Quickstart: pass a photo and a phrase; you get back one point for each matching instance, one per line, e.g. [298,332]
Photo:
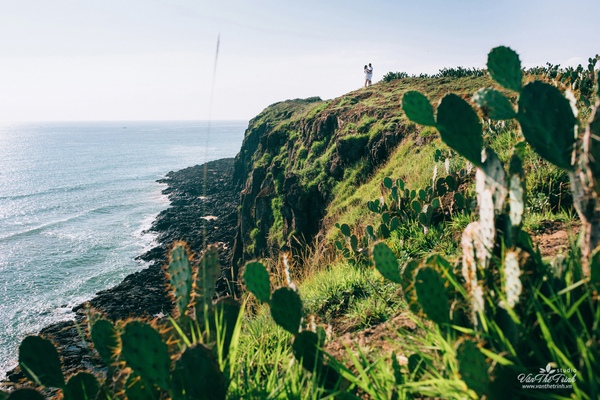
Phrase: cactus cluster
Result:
[399,205]
[183,358]
[287,312]
[496,252]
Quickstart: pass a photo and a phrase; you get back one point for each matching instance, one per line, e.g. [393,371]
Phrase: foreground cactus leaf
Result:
[460,128]
[180,276]
[286,309]
[39,361]
[197,376]
[418,108]
[82,386]
[208,274]
[306,349]
[505,67]
[25,394]
[548,123]
[492,176]
[473,368]
[257,280]
[137,388]
[386,262]
[494,104]
[145,352]
[225,314]
[432,295]
[106,340]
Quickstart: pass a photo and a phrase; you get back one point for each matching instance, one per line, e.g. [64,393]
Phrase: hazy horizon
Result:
[154,60]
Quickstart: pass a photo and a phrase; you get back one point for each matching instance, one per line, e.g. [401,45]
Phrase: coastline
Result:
[142,293]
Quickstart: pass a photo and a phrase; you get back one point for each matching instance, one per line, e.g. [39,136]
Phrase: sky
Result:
[80,60]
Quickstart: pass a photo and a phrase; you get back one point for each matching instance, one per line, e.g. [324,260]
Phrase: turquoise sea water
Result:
[75,199]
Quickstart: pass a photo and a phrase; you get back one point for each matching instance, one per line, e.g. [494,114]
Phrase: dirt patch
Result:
[552,237]
[381,339]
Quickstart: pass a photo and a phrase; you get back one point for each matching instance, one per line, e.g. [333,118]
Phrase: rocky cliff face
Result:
[295,154]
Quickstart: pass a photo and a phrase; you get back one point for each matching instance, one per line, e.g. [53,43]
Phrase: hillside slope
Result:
[299,157]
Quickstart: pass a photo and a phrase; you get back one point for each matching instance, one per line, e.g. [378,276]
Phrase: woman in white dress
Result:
[368,75]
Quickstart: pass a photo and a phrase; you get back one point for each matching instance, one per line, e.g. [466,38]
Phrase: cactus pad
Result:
[257,280]
[286,309]
[494,104]
[226,313]
[345,229]
[82,385]
[306,348]
[505,67]
[394,223]
[416,206]
[25,394]
[460,128]
[418,108]
[547,122]
[387,182]
[106,340]
[197,376]
[144,351]
[432,295]
[136,388]
[473,367]
[39,361]
[386,262]
[512,282]
[208,273]
[491,176]
[180,276]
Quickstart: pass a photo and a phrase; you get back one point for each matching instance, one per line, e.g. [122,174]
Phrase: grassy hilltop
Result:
[405,240]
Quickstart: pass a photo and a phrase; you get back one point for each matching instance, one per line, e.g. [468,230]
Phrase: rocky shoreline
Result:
[198,214]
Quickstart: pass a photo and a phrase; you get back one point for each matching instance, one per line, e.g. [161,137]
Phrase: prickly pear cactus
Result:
[286,309]
[475,256]
[137,388]
[180,276]
[144,351]
[386,262]
[208,273]
[306,348]
[473,367]
[548,123]
[197,376]
[39,361]
[225,314]
[512,282]
[460,128]
[418,108]
[505,67]
[106,340]
[432,295]
[516,188]
[491,176]
[82,386]
[25,394]
[257,281]
[494,104]
[206,280]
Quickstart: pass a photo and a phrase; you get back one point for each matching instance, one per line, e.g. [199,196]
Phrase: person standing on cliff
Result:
[368,74]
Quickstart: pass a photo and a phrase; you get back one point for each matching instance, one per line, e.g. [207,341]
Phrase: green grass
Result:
[350,297]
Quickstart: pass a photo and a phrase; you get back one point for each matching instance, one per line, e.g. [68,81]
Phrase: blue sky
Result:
[153,59]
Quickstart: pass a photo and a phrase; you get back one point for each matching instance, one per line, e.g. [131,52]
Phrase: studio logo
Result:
[549,377]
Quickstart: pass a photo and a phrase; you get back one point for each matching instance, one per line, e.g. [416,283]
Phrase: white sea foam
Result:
[76,200]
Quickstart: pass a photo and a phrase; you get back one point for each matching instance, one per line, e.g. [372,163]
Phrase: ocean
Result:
[75,200]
